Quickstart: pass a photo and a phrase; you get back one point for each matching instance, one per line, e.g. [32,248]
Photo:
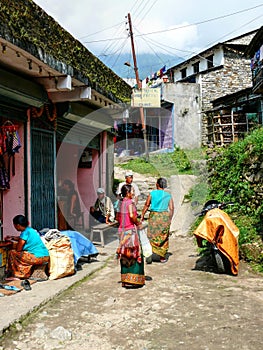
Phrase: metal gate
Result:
[43,208]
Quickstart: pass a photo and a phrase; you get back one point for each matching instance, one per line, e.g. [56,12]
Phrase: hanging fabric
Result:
[9,144]
[4,180]
[16,142]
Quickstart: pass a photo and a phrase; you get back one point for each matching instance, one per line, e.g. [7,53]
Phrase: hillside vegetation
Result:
[240,167]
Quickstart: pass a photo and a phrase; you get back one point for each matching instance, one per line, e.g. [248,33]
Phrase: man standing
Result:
[102,210]
[129,181]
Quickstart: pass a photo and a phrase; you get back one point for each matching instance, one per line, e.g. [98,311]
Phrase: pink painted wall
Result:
[13,199]
[86,180]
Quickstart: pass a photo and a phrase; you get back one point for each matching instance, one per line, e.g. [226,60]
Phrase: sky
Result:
[174,27]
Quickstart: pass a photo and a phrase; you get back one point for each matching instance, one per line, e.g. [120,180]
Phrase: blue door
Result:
[43,208]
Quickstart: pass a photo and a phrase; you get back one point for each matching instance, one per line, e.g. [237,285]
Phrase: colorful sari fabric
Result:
[130,255]
[20,264]
[129,249]
[158,232]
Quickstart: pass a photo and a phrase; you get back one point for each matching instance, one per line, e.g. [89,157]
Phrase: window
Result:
[183,73]
[85,160]
[196,67]
[210,61]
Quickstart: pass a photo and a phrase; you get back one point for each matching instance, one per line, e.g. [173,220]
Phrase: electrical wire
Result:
[181,27]
[202,22]
[233,31]
[147,11]
[137,9]
[100,31]
[116,60]
[110,47]
[160,45]
[133,5]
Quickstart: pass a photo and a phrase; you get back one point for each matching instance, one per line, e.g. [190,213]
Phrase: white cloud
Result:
[84,17]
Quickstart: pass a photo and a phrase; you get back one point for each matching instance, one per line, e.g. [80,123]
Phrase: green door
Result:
[43,208]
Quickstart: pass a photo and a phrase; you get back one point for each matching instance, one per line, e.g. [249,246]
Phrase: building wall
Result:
[218,60]
[86,180]
[13,199]
[187,116]
[235,75]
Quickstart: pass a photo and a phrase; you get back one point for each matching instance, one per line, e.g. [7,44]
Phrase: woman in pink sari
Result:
[129,250]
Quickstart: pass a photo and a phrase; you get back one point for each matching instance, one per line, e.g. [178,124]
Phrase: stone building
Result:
[218,71]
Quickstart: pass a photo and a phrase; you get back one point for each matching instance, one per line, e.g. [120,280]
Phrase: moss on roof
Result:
[28,26]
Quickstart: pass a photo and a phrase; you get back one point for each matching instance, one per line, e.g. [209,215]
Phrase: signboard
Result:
[150,98]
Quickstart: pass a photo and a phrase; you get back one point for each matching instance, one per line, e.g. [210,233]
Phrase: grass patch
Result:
[166,164]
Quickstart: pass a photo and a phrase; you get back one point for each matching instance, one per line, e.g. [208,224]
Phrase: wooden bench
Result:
[101,228]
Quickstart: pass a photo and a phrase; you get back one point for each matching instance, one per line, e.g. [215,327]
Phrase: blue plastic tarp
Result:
[81,245]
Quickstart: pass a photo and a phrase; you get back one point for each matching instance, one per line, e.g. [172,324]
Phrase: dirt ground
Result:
[180,308]
[184,305]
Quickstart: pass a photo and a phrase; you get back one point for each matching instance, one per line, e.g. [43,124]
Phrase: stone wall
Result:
[233,76]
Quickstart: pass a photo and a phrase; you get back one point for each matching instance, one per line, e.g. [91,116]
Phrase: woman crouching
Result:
[129,250]
[29,252]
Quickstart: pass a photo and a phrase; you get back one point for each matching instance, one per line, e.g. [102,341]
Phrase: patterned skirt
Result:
[132,275]
[20,264]
[131,259]
[158,232]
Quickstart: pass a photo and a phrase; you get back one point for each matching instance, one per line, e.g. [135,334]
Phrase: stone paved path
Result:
[180,307]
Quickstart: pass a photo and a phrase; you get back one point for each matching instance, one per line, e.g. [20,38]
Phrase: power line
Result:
[108,49]
[233,31]
[202,22]
[148,10]
[116,60]
[133,5]
[137,9]
[180,27]
[192,52]
[100,31]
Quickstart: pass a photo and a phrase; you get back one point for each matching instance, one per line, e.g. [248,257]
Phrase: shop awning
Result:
[21,90]
[80,124]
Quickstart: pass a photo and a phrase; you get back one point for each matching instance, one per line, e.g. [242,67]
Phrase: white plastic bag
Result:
[145,243]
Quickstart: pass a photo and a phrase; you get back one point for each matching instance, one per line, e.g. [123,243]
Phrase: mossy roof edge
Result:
[29,27]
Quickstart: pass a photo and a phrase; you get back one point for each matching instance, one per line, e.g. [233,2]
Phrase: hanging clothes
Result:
[9,144]
[4,180]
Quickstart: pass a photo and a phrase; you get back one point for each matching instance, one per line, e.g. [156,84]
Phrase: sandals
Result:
[149,259]
[26,285]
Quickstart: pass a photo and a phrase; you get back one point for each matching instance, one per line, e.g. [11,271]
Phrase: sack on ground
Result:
[61,258]
[145,243]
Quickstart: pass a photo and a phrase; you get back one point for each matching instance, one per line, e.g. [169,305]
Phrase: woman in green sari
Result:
[161,207]
[129,250]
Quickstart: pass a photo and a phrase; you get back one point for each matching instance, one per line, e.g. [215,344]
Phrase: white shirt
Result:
[134,186]
[106,207]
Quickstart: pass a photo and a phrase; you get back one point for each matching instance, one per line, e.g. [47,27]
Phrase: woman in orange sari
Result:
[29,251]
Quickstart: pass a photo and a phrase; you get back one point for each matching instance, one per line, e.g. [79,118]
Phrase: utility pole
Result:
[139,85]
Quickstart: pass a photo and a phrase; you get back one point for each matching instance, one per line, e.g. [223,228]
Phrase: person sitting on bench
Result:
[102,210]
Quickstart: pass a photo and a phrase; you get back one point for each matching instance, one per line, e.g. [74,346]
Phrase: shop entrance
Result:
[43,208]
